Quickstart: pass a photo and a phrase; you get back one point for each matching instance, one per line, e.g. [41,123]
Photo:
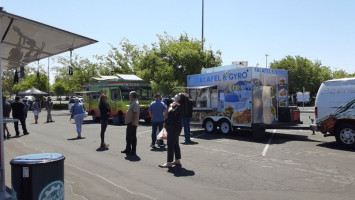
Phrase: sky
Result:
[322,30]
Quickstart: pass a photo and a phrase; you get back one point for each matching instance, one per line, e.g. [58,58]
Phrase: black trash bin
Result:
[38,176]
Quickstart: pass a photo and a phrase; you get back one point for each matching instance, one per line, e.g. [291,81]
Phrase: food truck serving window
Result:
[115,95]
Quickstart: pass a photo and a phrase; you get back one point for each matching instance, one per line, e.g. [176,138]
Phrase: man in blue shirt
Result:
[157,110]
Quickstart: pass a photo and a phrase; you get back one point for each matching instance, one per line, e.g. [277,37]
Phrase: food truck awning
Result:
[197,87]
[24,41]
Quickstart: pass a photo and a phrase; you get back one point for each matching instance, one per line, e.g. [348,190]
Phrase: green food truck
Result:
[117,89]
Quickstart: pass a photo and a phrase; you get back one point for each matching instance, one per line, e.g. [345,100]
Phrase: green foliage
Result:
[34,77]
[7,81]
[120,60]
[83,71]
[60,88]
[168,62]
[305,73]
[59,106]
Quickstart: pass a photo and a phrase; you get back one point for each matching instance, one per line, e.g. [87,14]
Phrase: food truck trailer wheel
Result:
[225,126]
[210,126]
[345,135]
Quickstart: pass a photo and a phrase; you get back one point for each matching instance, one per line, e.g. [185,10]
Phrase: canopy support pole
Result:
[3,193]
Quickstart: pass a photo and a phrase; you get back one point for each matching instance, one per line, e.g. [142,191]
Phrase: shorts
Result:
[36,112]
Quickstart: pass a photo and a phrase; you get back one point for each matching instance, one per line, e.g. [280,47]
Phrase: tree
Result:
[305,73]
[8,81]
[60,89]
[168,62]
[34,77]
[83,72]
[122,60]
[302,73]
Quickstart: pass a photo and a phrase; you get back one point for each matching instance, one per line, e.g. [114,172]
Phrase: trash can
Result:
[284,114]
[38,176]
[295,114]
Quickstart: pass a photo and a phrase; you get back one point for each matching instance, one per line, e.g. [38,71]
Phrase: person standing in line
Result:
[78,110]
[168,101]
[49,104]
[173,126]
[6,109]
[132,118]
[18,112]
[36,107]
[157,110]
[105,110]
[27,107]
[186,119]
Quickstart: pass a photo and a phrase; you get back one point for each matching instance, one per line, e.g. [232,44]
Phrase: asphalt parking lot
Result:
[288,164]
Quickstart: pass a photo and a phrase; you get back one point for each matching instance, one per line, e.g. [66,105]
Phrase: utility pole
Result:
[266,55]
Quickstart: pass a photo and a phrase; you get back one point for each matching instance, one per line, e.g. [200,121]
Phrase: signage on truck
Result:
[217,77]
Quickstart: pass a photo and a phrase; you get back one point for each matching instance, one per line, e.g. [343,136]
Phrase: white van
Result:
[335,110]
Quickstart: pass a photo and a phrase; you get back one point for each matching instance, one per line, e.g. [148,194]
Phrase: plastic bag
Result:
[163,135]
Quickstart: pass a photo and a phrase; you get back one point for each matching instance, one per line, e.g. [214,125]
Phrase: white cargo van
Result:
[335,110]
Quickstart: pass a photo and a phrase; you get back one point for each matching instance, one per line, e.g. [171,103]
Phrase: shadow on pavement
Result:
[102,149]
[247,136]
[159,149]
[75,138]
[132,158]
[189,143]
[179,171]
[336,146]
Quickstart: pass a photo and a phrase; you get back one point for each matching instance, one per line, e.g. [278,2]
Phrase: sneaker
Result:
[162,145]
[153,146]
[8,135]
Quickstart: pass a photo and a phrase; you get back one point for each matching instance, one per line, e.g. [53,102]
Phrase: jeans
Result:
[49,115]
[131,138]
[186,123]
[156,128]
[79,118]
[173,143]
[23,124]
[104,123]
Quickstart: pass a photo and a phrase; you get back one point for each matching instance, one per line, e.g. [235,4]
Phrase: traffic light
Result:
[70,70]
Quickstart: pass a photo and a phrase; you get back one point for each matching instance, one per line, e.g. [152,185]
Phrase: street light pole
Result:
[266,55]
[203,5]
[48,79]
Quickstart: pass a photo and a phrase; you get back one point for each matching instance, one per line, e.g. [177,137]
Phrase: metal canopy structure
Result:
[118,77]
[24,41]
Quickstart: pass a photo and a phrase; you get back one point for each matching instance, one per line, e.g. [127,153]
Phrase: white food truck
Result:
[231,97]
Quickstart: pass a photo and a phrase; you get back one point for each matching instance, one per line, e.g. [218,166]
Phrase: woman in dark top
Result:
[104,107]
[173,126]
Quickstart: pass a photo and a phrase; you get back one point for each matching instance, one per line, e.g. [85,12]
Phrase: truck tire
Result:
[225,126]
[210,126]
[345,135]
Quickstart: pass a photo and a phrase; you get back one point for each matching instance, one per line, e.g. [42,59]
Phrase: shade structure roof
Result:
[32,91]
[24,41]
